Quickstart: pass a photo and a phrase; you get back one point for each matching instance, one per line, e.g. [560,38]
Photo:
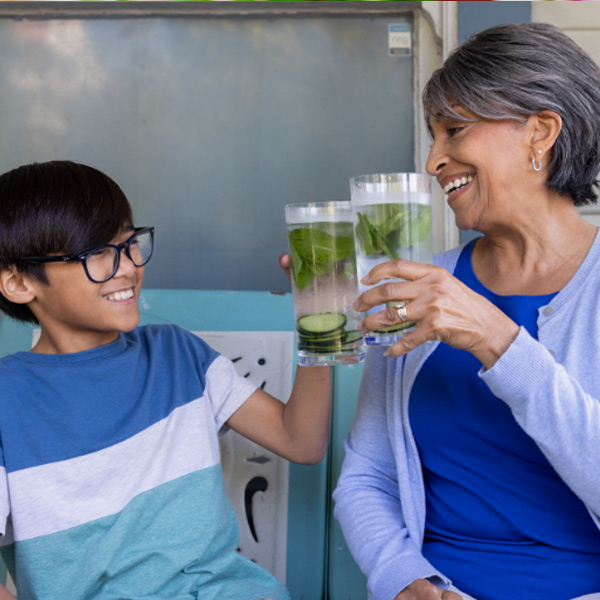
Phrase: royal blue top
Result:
[500,522]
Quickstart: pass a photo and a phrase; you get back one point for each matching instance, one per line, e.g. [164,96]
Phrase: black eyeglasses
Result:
[101,263]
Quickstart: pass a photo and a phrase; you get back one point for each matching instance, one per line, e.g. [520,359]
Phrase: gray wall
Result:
[211,119]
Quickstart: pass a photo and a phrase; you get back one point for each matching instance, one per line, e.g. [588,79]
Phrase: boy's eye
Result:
[98,253]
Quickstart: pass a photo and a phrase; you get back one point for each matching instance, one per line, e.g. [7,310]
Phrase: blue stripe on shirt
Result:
[75,408]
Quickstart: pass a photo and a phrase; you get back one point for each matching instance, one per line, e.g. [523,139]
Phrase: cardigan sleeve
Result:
[367,500]
[555,410]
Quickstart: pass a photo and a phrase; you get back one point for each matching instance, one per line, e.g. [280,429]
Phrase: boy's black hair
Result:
[55,207]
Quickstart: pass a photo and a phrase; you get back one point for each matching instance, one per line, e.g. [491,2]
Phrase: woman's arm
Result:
[546,397]
[555,410]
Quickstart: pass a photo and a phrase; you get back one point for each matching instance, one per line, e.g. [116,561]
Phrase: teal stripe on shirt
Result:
[121,559]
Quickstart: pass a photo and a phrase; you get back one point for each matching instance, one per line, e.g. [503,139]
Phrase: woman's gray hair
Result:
[515,71]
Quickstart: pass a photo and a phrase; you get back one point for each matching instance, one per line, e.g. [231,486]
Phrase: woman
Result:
[473,461]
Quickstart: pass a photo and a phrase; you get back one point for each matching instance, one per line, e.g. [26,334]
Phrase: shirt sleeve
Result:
[226,389]
[4,503]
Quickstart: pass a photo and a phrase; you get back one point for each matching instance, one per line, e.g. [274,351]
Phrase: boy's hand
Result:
[284,263]
[5,594]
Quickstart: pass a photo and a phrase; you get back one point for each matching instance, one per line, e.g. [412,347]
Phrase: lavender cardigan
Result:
[553,389]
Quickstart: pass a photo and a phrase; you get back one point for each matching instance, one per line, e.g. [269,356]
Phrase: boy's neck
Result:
[47,344]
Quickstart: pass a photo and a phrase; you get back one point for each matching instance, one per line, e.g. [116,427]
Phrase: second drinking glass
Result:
[392,220]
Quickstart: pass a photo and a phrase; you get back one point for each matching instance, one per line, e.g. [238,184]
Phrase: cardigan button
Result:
[548,311]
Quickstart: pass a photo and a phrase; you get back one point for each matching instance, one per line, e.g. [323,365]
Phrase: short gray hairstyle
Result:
[510,72]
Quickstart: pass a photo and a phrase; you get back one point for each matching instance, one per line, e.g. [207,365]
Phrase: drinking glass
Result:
[392,220]
[324,283]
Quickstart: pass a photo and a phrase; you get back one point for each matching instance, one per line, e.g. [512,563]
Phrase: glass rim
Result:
[391,188]
[391,177]
[323,204]
[335,210]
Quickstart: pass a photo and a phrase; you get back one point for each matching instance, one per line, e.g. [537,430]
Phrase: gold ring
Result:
[401,310]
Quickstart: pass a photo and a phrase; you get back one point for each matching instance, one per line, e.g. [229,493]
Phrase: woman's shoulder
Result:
[449,258]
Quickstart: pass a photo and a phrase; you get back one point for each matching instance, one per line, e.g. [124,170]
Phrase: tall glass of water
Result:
[392,220]
[324,283]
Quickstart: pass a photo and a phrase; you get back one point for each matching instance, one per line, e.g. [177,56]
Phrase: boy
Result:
[110,478]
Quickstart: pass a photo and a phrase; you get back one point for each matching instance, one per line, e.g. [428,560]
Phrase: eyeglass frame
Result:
[82,256]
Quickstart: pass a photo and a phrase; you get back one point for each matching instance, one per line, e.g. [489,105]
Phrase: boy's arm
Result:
[298,430]
[5,594]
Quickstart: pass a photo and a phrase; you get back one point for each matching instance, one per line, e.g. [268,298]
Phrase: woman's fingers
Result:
[421,589]
[401,269]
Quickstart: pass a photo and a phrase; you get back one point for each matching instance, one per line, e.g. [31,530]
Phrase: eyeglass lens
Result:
[103,264]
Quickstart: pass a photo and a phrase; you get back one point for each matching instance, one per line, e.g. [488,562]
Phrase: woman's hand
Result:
[443,307]
[421,589]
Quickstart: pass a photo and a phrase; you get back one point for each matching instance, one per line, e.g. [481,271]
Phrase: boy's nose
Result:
[125,264]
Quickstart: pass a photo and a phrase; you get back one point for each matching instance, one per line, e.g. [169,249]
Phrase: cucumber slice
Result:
[352,337]
[322,337]
[312,349]
[327,345]
[324,341]
[398,327]
[321,323]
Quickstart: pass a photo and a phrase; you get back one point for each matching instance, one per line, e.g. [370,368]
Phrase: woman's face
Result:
[482,166]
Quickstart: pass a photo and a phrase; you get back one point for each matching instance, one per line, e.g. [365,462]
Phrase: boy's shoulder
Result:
[166,339]
[172,340]
[166,333]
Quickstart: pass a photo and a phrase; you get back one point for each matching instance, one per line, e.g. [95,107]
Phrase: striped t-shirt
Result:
[111,485]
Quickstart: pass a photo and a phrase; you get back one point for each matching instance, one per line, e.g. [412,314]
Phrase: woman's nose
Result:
[436,160]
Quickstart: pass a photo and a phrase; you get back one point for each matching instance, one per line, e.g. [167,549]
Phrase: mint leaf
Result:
[314,252]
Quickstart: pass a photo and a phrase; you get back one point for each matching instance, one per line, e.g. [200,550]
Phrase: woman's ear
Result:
[546,126]
[15,286]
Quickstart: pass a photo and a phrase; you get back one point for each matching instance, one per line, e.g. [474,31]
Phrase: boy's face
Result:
[77,314]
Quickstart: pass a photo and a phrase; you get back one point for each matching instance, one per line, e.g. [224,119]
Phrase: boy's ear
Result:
[15,286]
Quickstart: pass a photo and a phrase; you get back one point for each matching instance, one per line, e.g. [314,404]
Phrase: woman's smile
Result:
[457,184]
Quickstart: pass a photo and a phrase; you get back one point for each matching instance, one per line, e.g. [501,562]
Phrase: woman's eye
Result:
[452,131]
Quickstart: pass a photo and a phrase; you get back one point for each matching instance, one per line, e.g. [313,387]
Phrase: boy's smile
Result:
[121,296]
